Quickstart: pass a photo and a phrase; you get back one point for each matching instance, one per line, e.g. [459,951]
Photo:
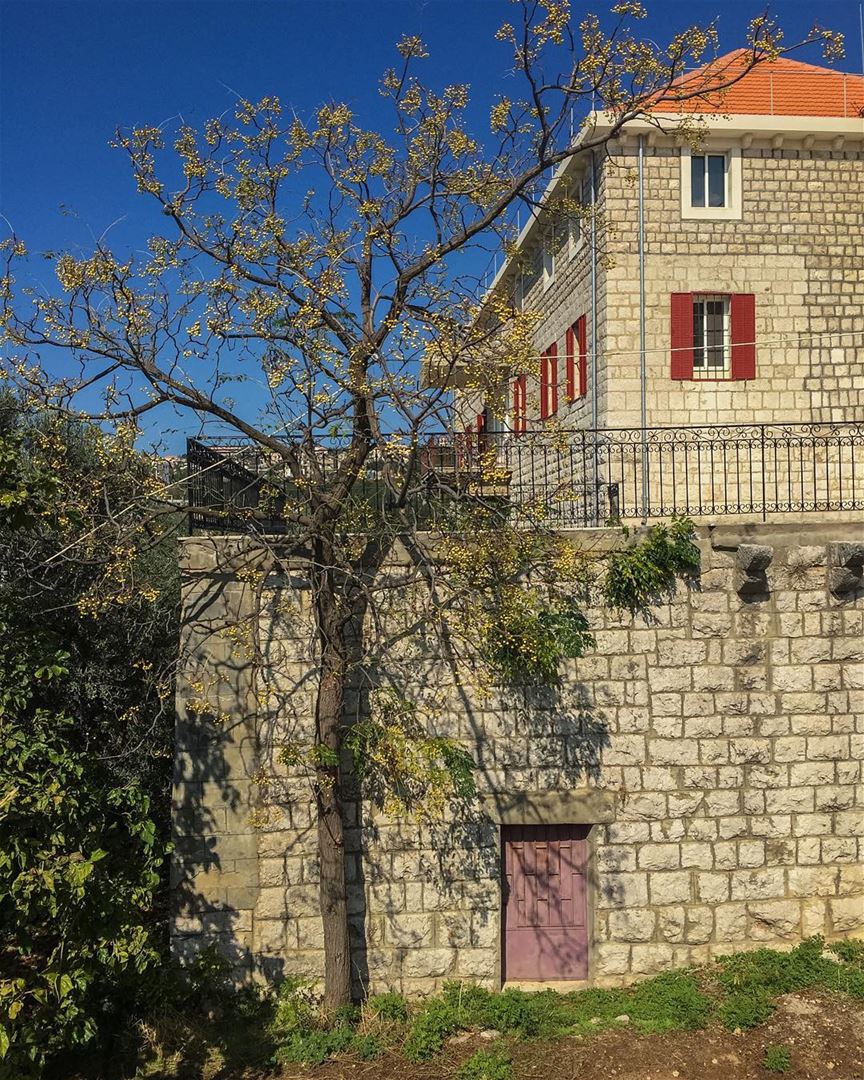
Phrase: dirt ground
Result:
[824,1034]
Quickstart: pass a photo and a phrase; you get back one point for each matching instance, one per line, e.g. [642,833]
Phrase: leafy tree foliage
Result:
[88,565]
[80,847]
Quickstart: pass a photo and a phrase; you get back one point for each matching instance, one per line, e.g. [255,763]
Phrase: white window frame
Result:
[732,210]
[575,236]
[548,259]
[702,372]
[519,291]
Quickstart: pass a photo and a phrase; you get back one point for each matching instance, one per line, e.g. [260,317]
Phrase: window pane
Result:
[716,180]
[715,335]
[698,333]
[697,180]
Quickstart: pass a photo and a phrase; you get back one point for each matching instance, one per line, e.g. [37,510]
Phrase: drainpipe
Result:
[595,397]
[643,376]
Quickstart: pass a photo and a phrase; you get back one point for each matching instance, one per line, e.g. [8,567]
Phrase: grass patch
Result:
[748,984]
[494,1064]
[738,991]
[777,1059]
[664,1003]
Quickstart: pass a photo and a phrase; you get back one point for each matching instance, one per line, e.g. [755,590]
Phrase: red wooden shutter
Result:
[552,352]
[544,375]
[481,422]
[743,334]
[582,335]
[682,336]
[570,362]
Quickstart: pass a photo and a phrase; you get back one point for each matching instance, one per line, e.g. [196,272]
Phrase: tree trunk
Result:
[331,843]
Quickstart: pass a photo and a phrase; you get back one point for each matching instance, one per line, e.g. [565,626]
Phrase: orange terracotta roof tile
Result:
[782,88]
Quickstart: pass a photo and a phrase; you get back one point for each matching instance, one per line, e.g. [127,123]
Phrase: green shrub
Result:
[313,1047]
[749,982]
[390,1006]
[295,1010]
[777,1059]
[79,863]
[472,1004]
[851,952]
[746,1009]
[345,1016]
[494,1064]
[518,1013]
[367,1047]
[668,1001]
[436,1022]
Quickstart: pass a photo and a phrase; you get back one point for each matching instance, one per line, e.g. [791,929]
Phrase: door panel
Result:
[545,901]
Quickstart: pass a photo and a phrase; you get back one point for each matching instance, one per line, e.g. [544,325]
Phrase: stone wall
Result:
[715,748]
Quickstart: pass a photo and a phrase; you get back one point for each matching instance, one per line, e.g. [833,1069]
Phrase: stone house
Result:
[694,786]
[718,284]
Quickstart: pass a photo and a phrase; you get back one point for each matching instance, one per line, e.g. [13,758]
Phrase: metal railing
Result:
[556,478]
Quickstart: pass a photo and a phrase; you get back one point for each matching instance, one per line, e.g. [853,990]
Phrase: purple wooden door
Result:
[545,911]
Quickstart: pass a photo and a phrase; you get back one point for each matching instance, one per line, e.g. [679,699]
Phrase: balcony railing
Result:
[557,478]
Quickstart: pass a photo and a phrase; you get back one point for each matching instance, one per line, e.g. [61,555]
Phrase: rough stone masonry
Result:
[715,750]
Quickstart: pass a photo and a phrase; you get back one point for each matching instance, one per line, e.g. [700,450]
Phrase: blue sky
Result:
[72,71]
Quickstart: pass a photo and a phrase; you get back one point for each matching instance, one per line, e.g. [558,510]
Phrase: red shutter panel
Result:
[582,334]
[743,333]
[544,386]
[553,378]
[682,336]
[481,422]
[570,361]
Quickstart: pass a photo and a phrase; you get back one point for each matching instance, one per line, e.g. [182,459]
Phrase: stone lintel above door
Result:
[582,806]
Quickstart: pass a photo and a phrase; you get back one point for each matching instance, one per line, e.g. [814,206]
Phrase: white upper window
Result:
[574,235]
[711,183]
[708,182]
[548,260]
[519,291]
[711,337]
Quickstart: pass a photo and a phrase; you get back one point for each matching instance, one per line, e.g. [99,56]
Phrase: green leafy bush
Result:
[85,736]
[494,1064]
[437,1020]
[777,1059]
[517,1013]
[313,1047]
[746,1009]
[367,1047]
[305,1035]
[389,1006]
[851,951]
[79,863]
[750,982]
[668,1001]
[296,1009]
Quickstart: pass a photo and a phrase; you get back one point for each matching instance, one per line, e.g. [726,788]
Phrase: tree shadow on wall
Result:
[214,867]
[526,743]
